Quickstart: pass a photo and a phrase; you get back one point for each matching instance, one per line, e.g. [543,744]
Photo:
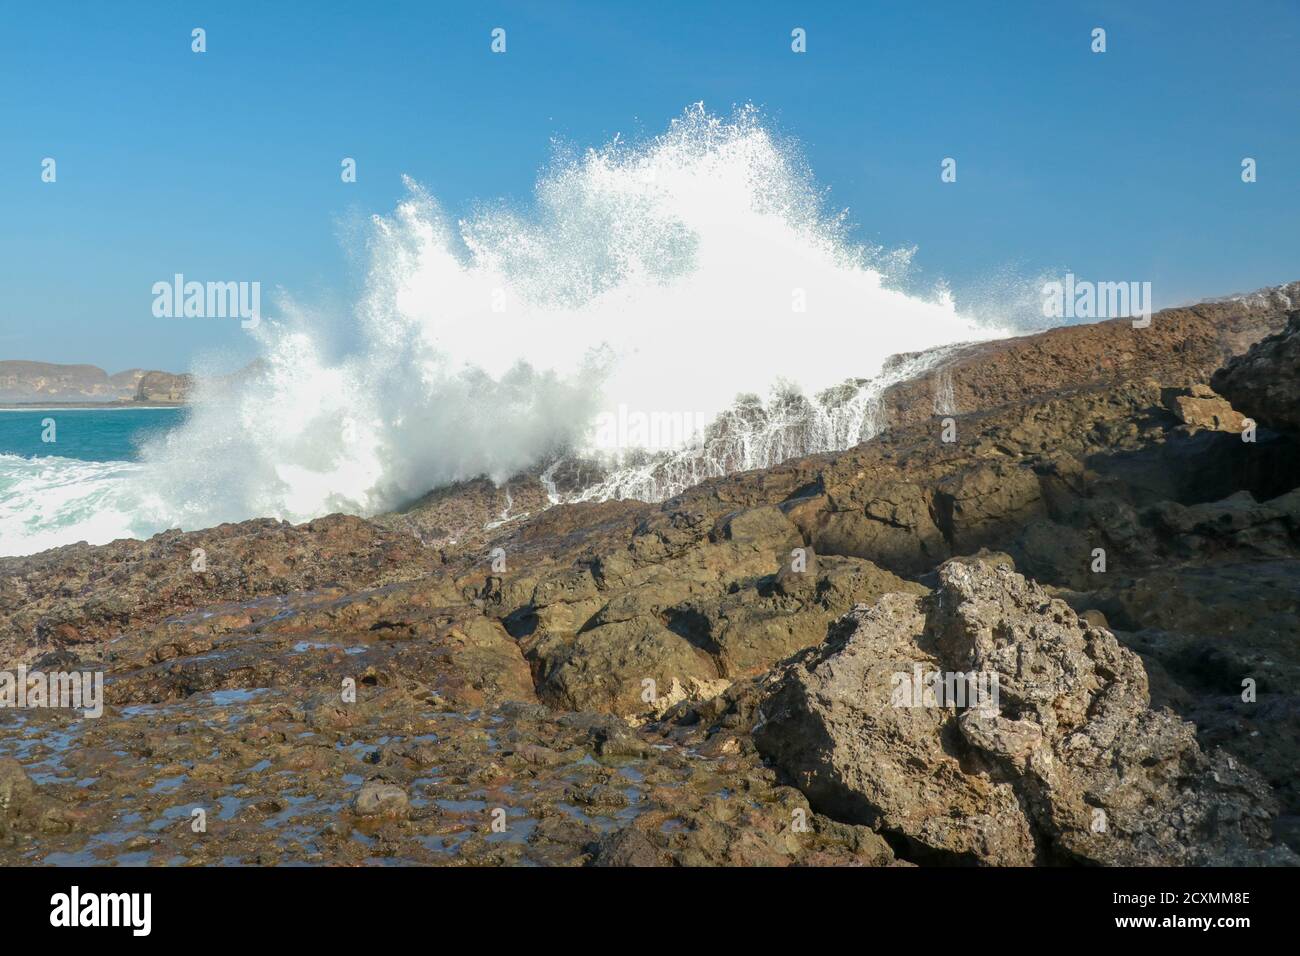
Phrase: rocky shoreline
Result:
[708,681]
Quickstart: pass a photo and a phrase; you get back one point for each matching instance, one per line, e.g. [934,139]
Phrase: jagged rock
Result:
[464,514]
[1068,764]
[628,847]
[1265,382]
[24,808]
[1200,407]
[716,607]
[625,668]
[16,788]
[764,527]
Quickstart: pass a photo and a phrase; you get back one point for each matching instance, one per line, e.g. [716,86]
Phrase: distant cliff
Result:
[26,382]
[163,387]
[46,381]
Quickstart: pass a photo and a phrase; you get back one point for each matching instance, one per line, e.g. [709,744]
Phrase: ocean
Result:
[84,434]
[72,488]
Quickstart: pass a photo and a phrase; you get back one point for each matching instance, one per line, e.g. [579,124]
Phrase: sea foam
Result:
[669,277]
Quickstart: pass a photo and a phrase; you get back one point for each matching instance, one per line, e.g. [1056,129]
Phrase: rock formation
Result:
[1067,763]
[163,387]
[34,382]
[45,381]
[1265,382]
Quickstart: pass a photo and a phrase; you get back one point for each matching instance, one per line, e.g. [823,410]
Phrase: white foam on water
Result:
[47,502]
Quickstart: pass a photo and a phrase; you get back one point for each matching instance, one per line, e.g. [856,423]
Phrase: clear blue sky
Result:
[226,164]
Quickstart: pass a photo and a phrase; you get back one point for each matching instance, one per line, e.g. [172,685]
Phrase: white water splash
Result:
[755,434]
[668,277]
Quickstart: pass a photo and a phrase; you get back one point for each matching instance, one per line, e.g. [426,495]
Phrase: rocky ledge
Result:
[1077,520]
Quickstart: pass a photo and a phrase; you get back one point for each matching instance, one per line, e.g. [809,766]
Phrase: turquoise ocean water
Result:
[111,434]
[86,485]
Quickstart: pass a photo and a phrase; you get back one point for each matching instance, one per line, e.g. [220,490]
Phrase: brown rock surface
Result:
[595,669]
[1181,346]
[1063,761]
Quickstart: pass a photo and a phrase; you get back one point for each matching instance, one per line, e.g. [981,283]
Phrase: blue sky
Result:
[226,165]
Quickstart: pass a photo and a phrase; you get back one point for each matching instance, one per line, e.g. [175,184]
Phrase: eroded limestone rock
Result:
[1071,765]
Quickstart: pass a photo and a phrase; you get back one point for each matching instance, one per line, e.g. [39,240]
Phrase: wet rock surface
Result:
[262,777]
[486,679]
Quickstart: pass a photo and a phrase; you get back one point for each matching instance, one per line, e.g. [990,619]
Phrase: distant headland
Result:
[48,384]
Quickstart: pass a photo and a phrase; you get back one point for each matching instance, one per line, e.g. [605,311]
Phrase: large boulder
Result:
[1265,382]
[1059,759]
[1197,406]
